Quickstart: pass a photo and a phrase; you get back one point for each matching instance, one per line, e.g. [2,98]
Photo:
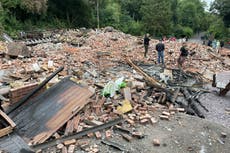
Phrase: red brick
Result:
[108,134]
[98,135]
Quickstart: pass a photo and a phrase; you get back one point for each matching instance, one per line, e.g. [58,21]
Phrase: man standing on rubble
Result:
[183,55]
[160,47]
[146,44]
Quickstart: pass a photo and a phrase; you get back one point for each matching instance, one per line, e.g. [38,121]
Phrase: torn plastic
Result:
[111,87]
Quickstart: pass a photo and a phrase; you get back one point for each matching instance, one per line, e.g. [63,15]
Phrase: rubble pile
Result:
[106,86]
[105,49]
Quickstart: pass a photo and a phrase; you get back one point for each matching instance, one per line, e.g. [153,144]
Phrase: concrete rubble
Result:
[94,58]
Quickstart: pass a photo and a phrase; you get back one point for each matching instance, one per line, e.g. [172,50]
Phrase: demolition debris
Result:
[99,85]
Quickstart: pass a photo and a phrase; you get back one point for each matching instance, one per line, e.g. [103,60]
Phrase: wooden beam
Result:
[5,131]
[11,123]
[224,91]
[151,80]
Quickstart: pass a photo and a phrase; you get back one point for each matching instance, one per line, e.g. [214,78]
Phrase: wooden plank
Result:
[5,131]
[127,93]
[99,106]
[41,117]
[13,143]
[69,127]
[11,123]
[76,121]
[152,81]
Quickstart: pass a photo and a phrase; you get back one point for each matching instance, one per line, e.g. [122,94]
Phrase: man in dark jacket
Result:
[160,47]
[183,55]
[146,43]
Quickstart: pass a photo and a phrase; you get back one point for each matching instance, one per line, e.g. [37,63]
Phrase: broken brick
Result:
[127,137]
[156,142]
[98,135]
[60,146]
[144,121]
[130,121]
[180,109]
[64,150]
[164,117]
[68,142]
[223,134]
[108,134]
[71,149]
[90,135]
[153,120]
[166,113]
[83,143]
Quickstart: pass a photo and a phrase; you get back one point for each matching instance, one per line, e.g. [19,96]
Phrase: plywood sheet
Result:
[39,118]
[13,144]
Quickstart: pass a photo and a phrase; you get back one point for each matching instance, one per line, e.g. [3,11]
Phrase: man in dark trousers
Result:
[160,47]
[146,43]
[183,55]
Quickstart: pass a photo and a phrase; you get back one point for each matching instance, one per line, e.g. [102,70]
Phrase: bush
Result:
[180,31]
[188,32]
[135,28]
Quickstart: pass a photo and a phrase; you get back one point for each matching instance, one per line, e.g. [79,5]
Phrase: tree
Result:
[35,6]
[132,7]
[156,16]
[174,9]
[191,14]
[73,12]
[222,7]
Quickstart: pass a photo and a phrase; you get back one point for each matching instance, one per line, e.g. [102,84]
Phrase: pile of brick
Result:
[111,47]
[93,58]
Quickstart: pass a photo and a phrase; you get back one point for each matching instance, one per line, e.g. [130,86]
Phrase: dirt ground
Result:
[182,134]
[219,107]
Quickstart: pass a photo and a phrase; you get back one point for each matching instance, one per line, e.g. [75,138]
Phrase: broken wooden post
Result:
[224,91]
[192,103]
[152,81]
[18,104]
[175,95]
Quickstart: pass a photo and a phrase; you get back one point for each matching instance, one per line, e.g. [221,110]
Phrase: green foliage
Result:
[180,31]
[132,7]
[75,13]
[217,28]
[222,7]
[110,14]
[12,26]
[191,14]
[34,6]
[10,4]
[187,31]
[156,16]
[128,25]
